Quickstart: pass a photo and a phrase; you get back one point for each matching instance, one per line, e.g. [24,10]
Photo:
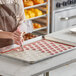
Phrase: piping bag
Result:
[26,27]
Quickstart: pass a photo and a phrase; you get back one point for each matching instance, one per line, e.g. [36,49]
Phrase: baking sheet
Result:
[64,36]
[39,49]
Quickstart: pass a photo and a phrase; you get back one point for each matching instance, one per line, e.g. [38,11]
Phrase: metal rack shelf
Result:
[40,29]
[36,5]
[37,17]
[47,15]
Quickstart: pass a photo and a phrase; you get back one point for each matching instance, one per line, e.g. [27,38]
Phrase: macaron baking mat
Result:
[39,50]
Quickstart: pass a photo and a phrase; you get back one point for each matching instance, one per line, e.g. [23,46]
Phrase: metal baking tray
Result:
[32,61]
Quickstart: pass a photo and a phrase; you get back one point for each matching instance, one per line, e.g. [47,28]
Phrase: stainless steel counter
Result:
[18,68]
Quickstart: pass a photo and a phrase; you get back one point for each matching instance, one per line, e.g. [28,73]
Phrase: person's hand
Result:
[17,37]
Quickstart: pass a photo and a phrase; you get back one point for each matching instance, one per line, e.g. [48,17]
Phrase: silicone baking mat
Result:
[39,50]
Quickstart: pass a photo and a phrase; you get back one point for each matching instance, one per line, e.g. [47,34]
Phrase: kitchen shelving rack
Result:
[47,16]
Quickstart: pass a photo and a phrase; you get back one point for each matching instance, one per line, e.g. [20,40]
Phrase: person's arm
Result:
[6,35]
[16,36]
